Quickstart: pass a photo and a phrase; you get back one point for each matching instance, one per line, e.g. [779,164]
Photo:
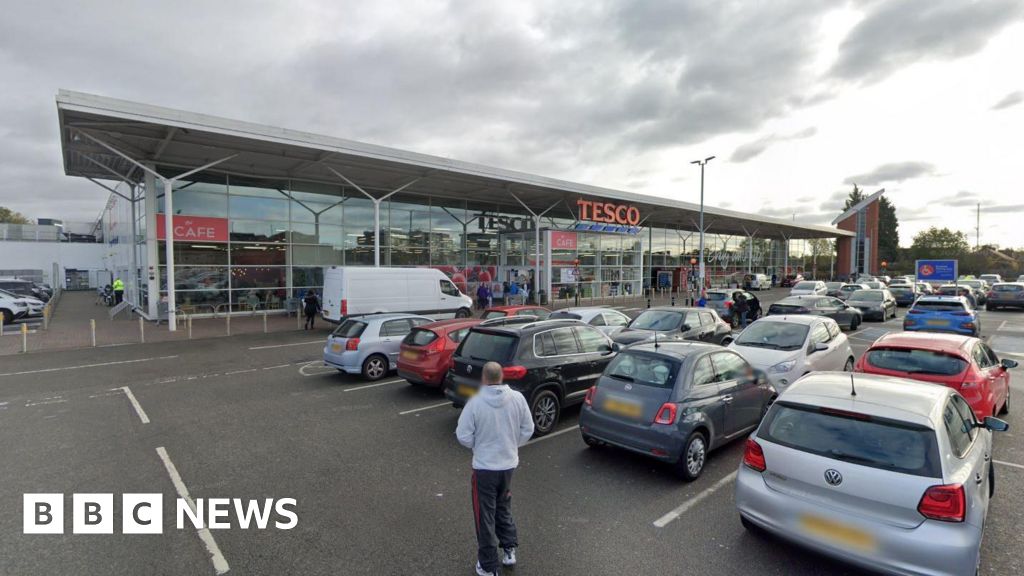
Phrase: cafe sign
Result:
[194,228]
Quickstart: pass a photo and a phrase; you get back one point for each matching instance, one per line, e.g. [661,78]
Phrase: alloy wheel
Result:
[695,455]
[544,413]
[374,368]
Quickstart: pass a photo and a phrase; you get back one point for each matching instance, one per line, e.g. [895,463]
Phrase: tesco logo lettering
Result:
[609,212]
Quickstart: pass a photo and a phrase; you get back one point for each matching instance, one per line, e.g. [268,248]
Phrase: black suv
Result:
[672,323]
[552,362]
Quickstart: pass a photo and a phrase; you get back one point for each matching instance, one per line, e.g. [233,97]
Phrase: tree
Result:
[939,243]
[820,247]
[8,216]
[888,231]
[855,196]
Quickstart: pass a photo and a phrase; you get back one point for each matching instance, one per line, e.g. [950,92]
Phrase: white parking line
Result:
[220,565]
[240,371]
[87,366]
[668,518]
[287,345]
[431,407]
[136,405]
[275,367]
[552,435]
[1010,464]
[374,385]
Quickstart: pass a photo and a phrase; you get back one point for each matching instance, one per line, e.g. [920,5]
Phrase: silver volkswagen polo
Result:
[886,473]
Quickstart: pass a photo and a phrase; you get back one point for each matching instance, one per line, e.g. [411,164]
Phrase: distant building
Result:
[859,254]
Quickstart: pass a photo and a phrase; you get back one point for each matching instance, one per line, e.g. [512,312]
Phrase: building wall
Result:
[43,255]
[845,264]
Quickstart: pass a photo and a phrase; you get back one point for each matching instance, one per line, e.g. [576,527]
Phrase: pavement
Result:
[382,486]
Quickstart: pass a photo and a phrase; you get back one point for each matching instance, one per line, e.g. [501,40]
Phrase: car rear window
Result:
[805,285]
[938,306]
[867,296]
[899,289]
[857,439]
[645,369]
[1008,288]
[419,337]
[914,361]
[491,314]
[716,296]
[349,329]
[488,346]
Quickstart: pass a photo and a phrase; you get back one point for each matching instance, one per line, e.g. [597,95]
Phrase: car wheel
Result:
[1006,405]
[726,340]
[591,441]
[694,456]
[854,323]
[544,409]
[8,317]
[849,365]
[989,308]
[375,367]
[464,313]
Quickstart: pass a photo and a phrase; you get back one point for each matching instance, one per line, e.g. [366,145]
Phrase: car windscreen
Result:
[854,438]
[805,285]
[774,335]
[717,296]
[938,306]
[419,337]
[485,346]
[349,329]
[1007,288]
[833,285]
[661,320]
[867,296]
[491,314]
[913,361]
[564,316]
[646,369]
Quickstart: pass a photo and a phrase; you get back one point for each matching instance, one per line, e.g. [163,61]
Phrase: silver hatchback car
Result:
[886,473]
[369,344]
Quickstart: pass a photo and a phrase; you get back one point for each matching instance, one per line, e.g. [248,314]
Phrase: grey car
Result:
[673,323]
[874,304]
[369,344]
[890,474]
[675,402]
[607,320]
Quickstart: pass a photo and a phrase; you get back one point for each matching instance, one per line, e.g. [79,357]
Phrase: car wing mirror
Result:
[994,424]
[684,328]
[1006,363]
[819,347]
[616,347]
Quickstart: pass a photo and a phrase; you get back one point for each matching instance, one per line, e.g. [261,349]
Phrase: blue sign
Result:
[936,270]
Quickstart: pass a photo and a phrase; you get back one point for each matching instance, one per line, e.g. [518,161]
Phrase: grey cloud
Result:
[753,149]
[892,172]
[1010,100]
[1003,208]
[958,200]
[897,34]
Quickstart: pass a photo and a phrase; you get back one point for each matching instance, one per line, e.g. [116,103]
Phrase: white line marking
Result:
[1010,464]
[374,385]
[278,366]
[316,364]
[136,405]
[552,435]
[88,366]
[668,518]
[431,407]
[220,565]
[286,345]
[240,371]
[1001,326]
[43,402]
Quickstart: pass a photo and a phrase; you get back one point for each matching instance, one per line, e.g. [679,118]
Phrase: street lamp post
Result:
[702,163]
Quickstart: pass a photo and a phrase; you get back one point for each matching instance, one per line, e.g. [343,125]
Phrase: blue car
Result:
[904,295]
[943,314]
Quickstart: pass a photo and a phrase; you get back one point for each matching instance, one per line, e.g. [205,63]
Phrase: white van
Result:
[352,290]
[760,282]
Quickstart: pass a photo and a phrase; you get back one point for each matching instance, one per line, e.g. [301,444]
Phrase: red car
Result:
[963,363]
[493,312]
[426,352]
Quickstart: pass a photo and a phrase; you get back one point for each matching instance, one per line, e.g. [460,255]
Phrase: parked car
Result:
[905,294]
[538,312]
[723,300]
[1006,295]
[12,308]
[963,363]
[889,474]
[352,290]
[607,320]
[426,352]
[875,285]
[552,362]
[991,278]
[757,282]
[369,344]
[815,287]
[674,323]
[834,308]
[790,280]
[980,288]
[924,288]
[847,289]
[874,304]
[23,288]
[943,314]
[1020,278]
[954,290]
[833,289]
[34,305]
[675,402]
[787,347]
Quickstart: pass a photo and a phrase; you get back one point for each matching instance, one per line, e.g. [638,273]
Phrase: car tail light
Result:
[589,398]
[352,344]
[967,384]
[968,325]
[728,305]
[946,502]
[666,414]
[961,313]
[753,456]
[434,347]
[344,307]
[513,372]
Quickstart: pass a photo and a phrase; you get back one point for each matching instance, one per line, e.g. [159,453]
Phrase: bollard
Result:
[142,331]
[298,319]
[648,302]
[92,329]
[188,321]
[673,299]
[46,317]
[264,321]
[1,324]
[24,338]
[227,319]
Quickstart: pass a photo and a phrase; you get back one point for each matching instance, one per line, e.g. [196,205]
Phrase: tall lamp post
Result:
[702,163]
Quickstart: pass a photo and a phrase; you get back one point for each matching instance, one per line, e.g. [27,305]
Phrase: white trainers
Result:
[508,557]
[481,572]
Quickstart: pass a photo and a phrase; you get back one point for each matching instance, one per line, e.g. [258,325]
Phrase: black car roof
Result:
[516,329]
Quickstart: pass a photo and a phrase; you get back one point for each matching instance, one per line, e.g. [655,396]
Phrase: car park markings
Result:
[135,404]
[44,401]
[431,407]
[275,367]
[286,345]
[364,387]
[673,515]
[552,435]
[240,371]
[87,366]
[220,564]
[325,369]
[1010,464]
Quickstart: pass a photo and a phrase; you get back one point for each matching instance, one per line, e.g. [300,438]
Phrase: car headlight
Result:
[782,367]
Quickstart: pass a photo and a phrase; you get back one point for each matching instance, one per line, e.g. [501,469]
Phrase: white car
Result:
[34,305]
[787,347]
[12,309]
[607,320]
[809,288]
[886,473]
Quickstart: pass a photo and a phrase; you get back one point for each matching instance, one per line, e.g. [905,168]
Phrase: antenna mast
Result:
[853,389]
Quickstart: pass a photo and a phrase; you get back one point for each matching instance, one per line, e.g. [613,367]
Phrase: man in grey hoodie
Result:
[494,424]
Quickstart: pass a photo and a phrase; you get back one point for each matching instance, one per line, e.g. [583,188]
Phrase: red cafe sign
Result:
[563,240]
[609,212]
[194,228]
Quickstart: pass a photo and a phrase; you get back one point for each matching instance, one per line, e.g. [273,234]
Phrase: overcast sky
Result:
[798,99]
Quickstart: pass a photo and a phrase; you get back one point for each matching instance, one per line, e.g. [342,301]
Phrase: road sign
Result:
[936,270]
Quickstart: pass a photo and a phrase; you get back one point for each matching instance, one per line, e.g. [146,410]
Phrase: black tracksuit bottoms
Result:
[492,511]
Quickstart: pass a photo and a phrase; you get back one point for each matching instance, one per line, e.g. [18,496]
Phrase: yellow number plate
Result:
[336,347]
[466,391]
[838,533]
[410,354]
[627,409]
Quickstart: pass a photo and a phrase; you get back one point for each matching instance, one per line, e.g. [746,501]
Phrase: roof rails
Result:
[505,320]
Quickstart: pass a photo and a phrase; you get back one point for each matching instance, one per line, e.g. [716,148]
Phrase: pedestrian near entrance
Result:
[525,290]
[118,291]
[494,424]
[481,295]
[740,309]
[513,292]
[311,306]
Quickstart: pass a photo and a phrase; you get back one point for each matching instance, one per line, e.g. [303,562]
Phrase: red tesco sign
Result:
[563,240]
[194,228]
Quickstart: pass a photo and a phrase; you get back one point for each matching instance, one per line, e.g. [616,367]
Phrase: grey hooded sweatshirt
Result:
[494,424]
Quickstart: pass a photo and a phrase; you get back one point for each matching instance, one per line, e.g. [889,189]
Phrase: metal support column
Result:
[536,247]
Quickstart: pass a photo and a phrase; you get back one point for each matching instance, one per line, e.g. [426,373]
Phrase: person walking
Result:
[311,306]
[490,294]
[118,291]
[481,295]
[494,424]
[513,292]
[525,291]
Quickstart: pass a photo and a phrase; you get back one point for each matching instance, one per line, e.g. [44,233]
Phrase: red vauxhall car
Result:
[963,363]
[426,352]
[493,312]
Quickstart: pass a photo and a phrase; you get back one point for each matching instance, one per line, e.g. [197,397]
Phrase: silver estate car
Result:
[886,473]
[369,344]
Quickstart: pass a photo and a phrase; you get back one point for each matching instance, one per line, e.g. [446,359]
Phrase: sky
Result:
[798,99]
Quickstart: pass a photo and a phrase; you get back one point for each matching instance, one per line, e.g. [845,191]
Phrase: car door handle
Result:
[987,457]
[977,478]
[727,399]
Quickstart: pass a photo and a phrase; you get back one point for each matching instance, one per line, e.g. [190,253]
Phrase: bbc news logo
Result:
[143,513]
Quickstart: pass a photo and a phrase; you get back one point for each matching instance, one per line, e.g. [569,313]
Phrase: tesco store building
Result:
[259,211]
